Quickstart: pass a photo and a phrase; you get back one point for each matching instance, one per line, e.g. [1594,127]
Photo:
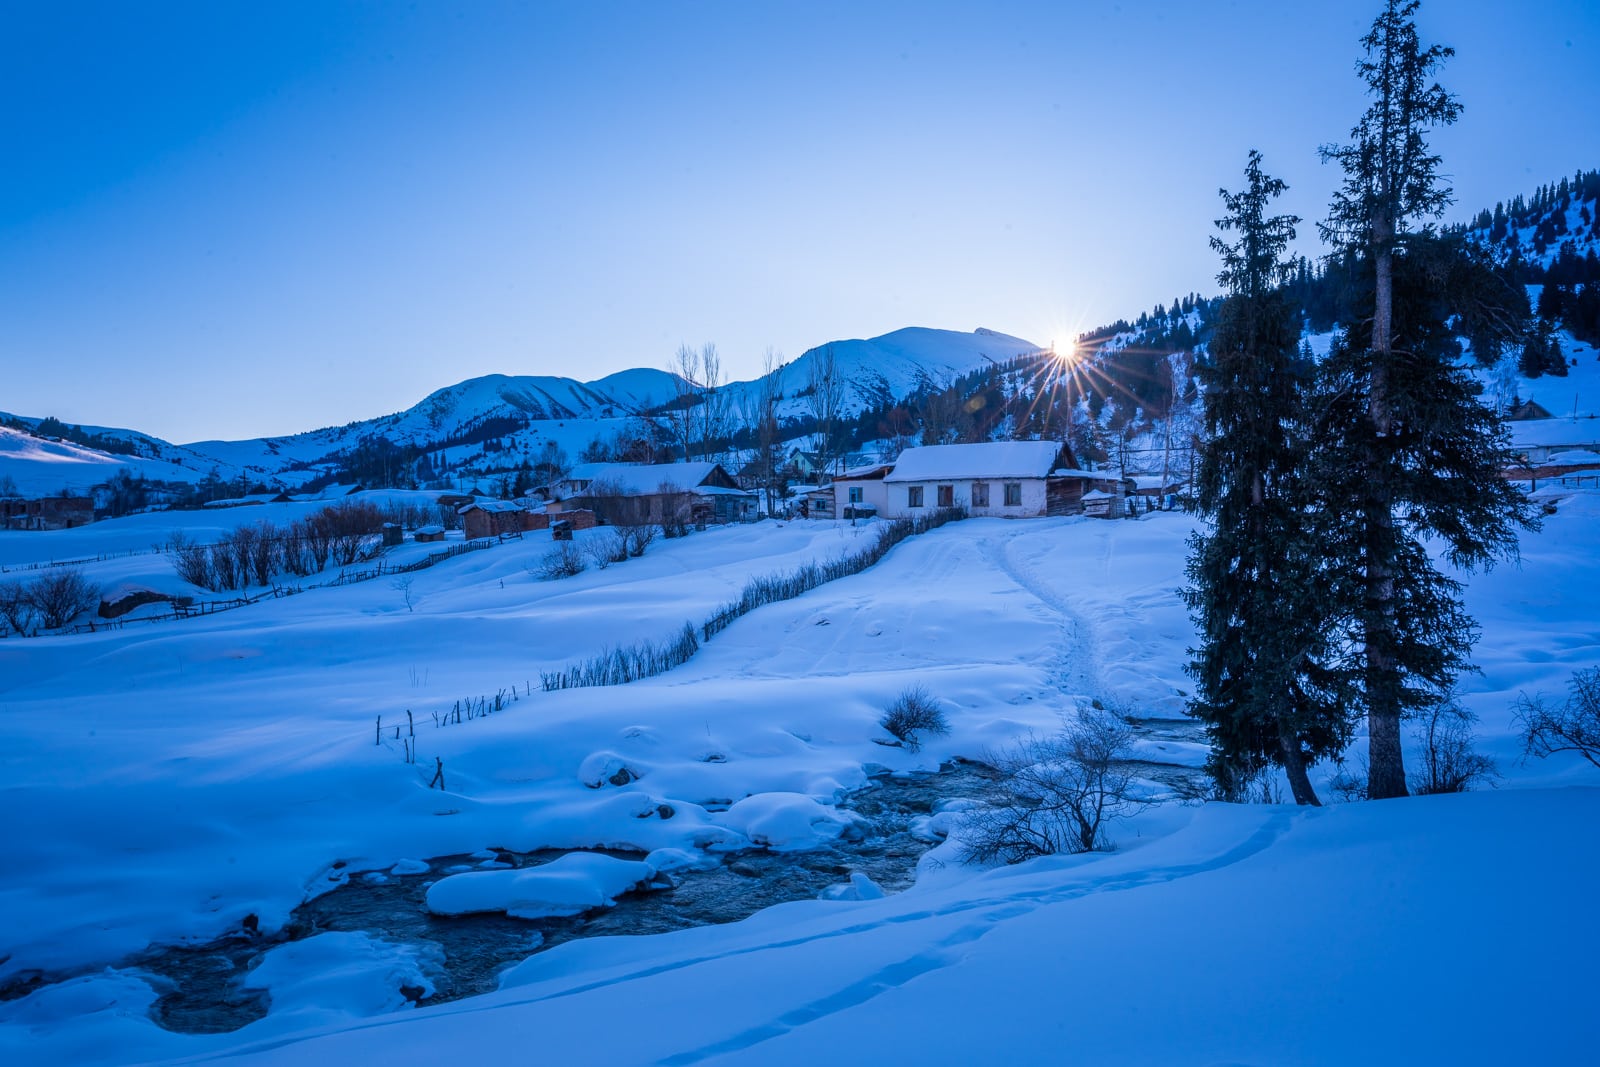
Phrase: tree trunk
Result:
[1294,765]
[1385,760]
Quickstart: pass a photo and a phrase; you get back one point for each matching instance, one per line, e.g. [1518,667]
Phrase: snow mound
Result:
[789,822]
[571,885]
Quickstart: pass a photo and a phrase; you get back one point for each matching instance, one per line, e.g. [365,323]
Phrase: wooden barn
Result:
[493,518]
[46,513]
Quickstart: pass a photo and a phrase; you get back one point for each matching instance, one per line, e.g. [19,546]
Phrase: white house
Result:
[1010,479]
[861,488]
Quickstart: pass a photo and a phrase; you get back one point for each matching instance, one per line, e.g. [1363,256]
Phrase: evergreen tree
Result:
[1264,688]
[1406,452]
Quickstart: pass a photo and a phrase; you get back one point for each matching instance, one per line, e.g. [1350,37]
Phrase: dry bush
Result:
[1449,764]
[1573,726]
[914,712]
[16,610]
[1058,794]
[564,560]
[60,595]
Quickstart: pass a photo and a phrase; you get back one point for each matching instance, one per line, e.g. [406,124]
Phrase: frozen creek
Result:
[205,994]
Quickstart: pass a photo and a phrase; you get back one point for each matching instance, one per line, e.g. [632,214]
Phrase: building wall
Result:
[874,493]
[1032,506]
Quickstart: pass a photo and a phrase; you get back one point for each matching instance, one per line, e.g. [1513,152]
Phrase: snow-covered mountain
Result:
[519,413]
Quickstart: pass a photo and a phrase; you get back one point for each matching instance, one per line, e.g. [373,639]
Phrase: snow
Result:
[171,779]
[571,885]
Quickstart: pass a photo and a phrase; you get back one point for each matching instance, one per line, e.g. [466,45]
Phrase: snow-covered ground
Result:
[164,782]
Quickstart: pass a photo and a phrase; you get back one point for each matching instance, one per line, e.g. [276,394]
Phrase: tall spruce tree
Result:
[1406,451]
[1264,689]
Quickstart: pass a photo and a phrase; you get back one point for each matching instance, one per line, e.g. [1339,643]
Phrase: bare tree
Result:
[1449,763]
[687,381]
[715,415]
[15,606]
[758,411]
[1574,726]
[1059,793]
[60,595]
[825,396]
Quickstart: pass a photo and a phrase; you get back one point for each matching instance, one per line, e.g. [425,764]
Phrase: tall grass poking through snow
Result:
[771,588]
[630,663]
[625,663]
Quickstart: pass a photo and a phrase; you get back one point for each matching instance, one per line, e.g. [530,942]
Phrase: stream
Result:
[201,985]
[204,993]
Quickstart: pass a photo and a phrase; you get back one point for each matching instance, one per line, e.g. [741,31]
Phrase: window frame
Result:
[945,496]
[914,496]
[980,494]
[1013,494]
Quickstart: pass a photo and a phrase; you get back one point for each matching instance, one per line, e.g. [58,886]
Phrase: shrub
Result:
[562,561]
[1449,764]
[913,713]
[16,610]
[60,595]
[1574,726]
[1057,794]
[608,545]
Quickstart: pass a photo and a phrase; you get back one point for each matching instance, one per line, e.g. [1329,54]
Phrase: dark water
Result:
[202,984]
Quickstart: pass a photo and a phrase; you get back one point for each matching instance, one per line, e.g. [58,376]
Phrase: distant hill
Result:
[484,427]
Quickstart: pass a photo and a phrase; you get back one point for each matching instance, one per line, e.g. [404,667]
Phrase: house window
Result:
[1013,494]
[947,496]
[855,494]
[980,494]
[913,496]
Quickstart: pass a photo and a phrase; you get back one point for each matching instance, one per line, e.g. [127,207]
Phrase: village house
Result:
[493,518]
[1554,448]
[861,491]
[46,513]
[1009,479]
[629,493]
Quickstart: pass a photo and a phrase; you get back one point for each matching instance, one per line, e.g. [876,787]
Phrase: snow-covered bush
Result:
[1449,764]
[1057,794]
[914,713]
[1574,726]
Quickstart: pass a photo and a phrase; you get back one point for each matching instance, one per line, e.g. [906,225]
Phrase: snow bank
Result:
[789,822]
[571,885]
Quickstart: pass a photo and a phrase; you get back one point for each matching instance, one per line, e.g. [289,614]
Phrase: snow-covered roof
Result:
[870,471]
[642,479]
[1537,433]
[992,459]
[498,507]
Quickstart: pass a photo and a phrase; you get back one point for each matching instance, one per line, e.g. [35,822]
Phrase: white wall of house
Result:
[873,493]
[1032,490]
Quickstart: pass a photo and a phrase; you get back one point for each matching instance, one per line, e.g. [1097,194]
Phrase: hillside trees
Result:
[1404,451]
[1265,686]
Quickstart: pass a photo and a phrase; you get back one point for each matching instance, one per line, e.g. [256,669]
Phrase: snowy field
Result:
[165,781]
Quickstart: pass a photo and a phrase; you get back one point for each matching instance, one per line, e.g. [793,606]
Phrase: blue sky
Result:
[232,220]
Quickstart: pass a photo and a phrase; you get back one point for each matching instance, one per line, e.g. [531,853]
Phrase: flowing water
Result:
[203,992]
